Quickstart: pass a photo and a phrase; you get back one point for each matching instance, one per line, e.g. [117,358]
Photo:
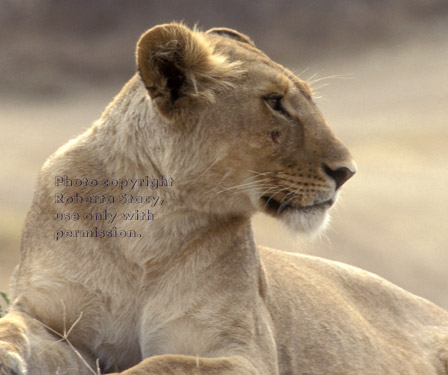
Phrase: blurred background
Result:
[380,72]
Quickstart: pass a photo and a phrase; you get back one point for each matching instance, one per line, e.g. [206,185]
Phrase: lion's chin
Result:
[310,222]
[309,219]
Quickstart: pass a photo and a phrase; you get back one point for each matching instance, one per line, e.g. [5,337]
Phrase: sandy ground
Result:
[391,112]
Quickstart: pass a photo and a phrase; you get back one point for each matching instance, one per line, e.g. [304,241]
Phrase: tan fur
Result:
[238,134]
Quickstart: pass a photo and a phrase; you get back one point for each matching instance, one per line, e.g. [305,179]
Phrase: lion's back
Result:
[328,311]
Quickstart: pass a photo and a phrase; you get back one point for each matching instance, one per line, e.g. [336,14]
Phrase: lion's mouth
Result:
[274,206]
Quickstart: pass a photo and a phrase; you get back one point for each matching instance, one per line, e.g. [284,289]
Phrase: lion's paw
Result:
[11,363]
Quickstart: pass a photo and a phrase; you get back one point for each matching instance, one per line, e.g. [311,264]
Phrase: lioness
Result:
[207,133]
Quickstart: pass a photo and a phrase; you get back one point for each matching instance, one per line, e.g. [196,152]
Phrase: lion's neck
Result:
[172,235]
[137,148]
[128,125]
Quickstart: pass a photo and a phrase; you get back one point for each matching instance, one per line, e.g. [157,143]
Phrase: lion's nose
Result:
[340,174]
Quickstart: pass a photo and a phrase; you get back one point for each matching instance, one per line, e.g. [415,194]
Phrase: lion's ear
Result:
[232,34]
[178,66]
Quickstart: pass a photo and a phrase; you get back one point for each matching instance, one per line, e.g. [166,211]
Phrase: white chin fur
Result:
[306,222]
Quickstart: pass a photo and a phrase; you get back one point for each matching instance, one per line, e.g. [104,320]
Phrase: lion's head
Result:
[241,132]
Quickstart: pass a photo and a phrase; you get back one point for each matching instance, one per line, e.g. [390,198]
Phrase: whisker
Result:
[293,195]
[280,189]
[268,190]
[271,188]
[262,173]
[312,81]
[323,98]
[311,78]
[302,72]
[250,189]
[211,165]
[247,184]
[321,86]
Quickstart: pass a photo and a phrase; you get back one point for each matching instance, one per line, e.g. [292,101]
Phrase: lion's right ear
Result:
[178,66]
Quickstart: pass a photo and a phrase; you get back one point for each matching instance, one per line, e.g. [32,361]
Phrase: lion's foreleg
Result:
[187,365]
[27,347]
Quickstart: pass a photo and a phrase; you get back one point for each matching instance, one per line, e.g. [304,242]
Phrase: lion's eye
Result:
[275,102]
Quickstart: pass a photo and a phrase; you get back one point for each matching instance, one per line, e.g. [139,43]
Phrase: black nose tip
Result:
[340,175]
